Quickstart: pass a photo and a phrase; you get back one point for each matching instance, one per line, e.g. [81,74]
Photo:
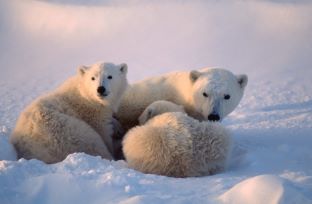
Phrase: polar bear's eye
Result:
[205,94]
[227,97]
[92,78]
[109,77]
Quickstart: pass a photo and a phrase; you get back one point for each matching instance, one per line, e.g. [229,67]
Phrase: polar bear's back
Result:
[158,147]
[142,93]
[43,107]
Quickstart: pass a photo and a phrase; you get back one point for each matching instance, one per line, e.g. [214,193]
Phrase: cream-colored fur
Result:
[184,88]
[73,118]
[174,144]
[157,108]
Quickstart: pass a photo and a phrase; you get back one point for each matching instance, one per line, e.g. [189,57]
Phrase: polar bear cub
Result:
[76,117]
[174,144]
[157,108]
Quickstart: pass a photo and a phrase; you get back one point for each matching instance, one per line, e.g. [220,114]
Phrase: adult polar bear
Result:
[207,94]
[76,117]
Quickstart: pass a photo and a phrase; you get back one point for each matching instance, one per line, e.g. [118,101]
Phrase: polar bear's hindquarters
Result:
[50,136]
[212,148]
[144,148]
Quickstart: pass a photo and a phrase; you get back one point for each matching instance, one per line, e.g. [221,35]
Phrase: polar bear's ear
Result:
[82,69]
[194,75]
[124,68]
[242,80]
[150,114]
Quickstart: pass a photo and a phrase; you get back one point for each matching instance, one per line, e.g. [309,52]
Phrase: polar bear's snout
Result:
[102,91]
[213,117]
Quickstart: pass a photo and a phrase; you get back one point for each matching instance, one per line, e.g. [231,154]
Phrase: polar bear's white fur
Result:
[76,117]
[207,94]
[157,108]
[174,144]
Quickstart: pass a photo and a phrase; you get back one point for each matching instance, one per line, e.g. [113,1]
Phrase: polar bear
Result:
[76,117]
[174,144]
[157,108]
[207,94]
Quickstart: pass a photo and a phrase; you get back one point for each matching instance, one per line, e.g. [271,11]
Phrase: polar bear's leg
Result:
[74,135]
[117,137]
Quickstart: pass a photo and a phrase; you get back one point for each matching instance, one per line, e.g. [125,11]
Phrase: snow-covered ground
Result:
[42,43]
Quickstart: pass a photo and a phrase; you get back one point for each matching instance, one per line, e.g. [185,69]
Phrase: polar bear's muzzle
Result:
[102,91]
[215,114]
[213,117]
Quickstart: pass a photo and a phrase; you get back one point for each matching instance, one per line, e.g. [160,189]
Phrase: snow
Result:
[263,189]
[42,43]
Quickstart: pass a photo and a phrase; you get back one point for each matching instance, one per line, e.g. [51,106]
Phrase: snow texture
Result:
[42,43]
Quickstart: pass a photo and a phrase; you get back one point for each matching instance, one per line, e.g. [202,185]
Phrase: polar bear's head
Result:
[157,108]
[104,82]
[216,92]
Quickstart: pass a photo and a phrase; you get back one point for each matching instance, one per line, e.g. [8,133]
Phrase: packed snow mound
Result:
[261,189]
[82,178]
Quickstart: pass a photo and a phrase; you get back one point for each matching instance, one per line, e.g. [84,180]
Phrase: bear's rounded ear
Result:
[149,113]
[194,75]
[242,80]
[123,68]
[82,69]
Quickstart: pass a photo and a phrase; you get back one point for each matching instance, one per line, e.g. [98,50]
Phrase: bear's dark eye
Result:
[205,94]
[92,78]
[109,77]
[227,97]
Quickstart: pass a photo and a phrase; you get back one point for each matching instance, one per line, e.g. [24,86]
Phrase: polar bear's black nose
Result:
[101,90]
[213,117]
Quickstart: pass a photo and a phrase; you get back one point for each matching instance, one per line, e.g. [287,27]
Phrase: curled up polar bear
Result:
[174,144]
